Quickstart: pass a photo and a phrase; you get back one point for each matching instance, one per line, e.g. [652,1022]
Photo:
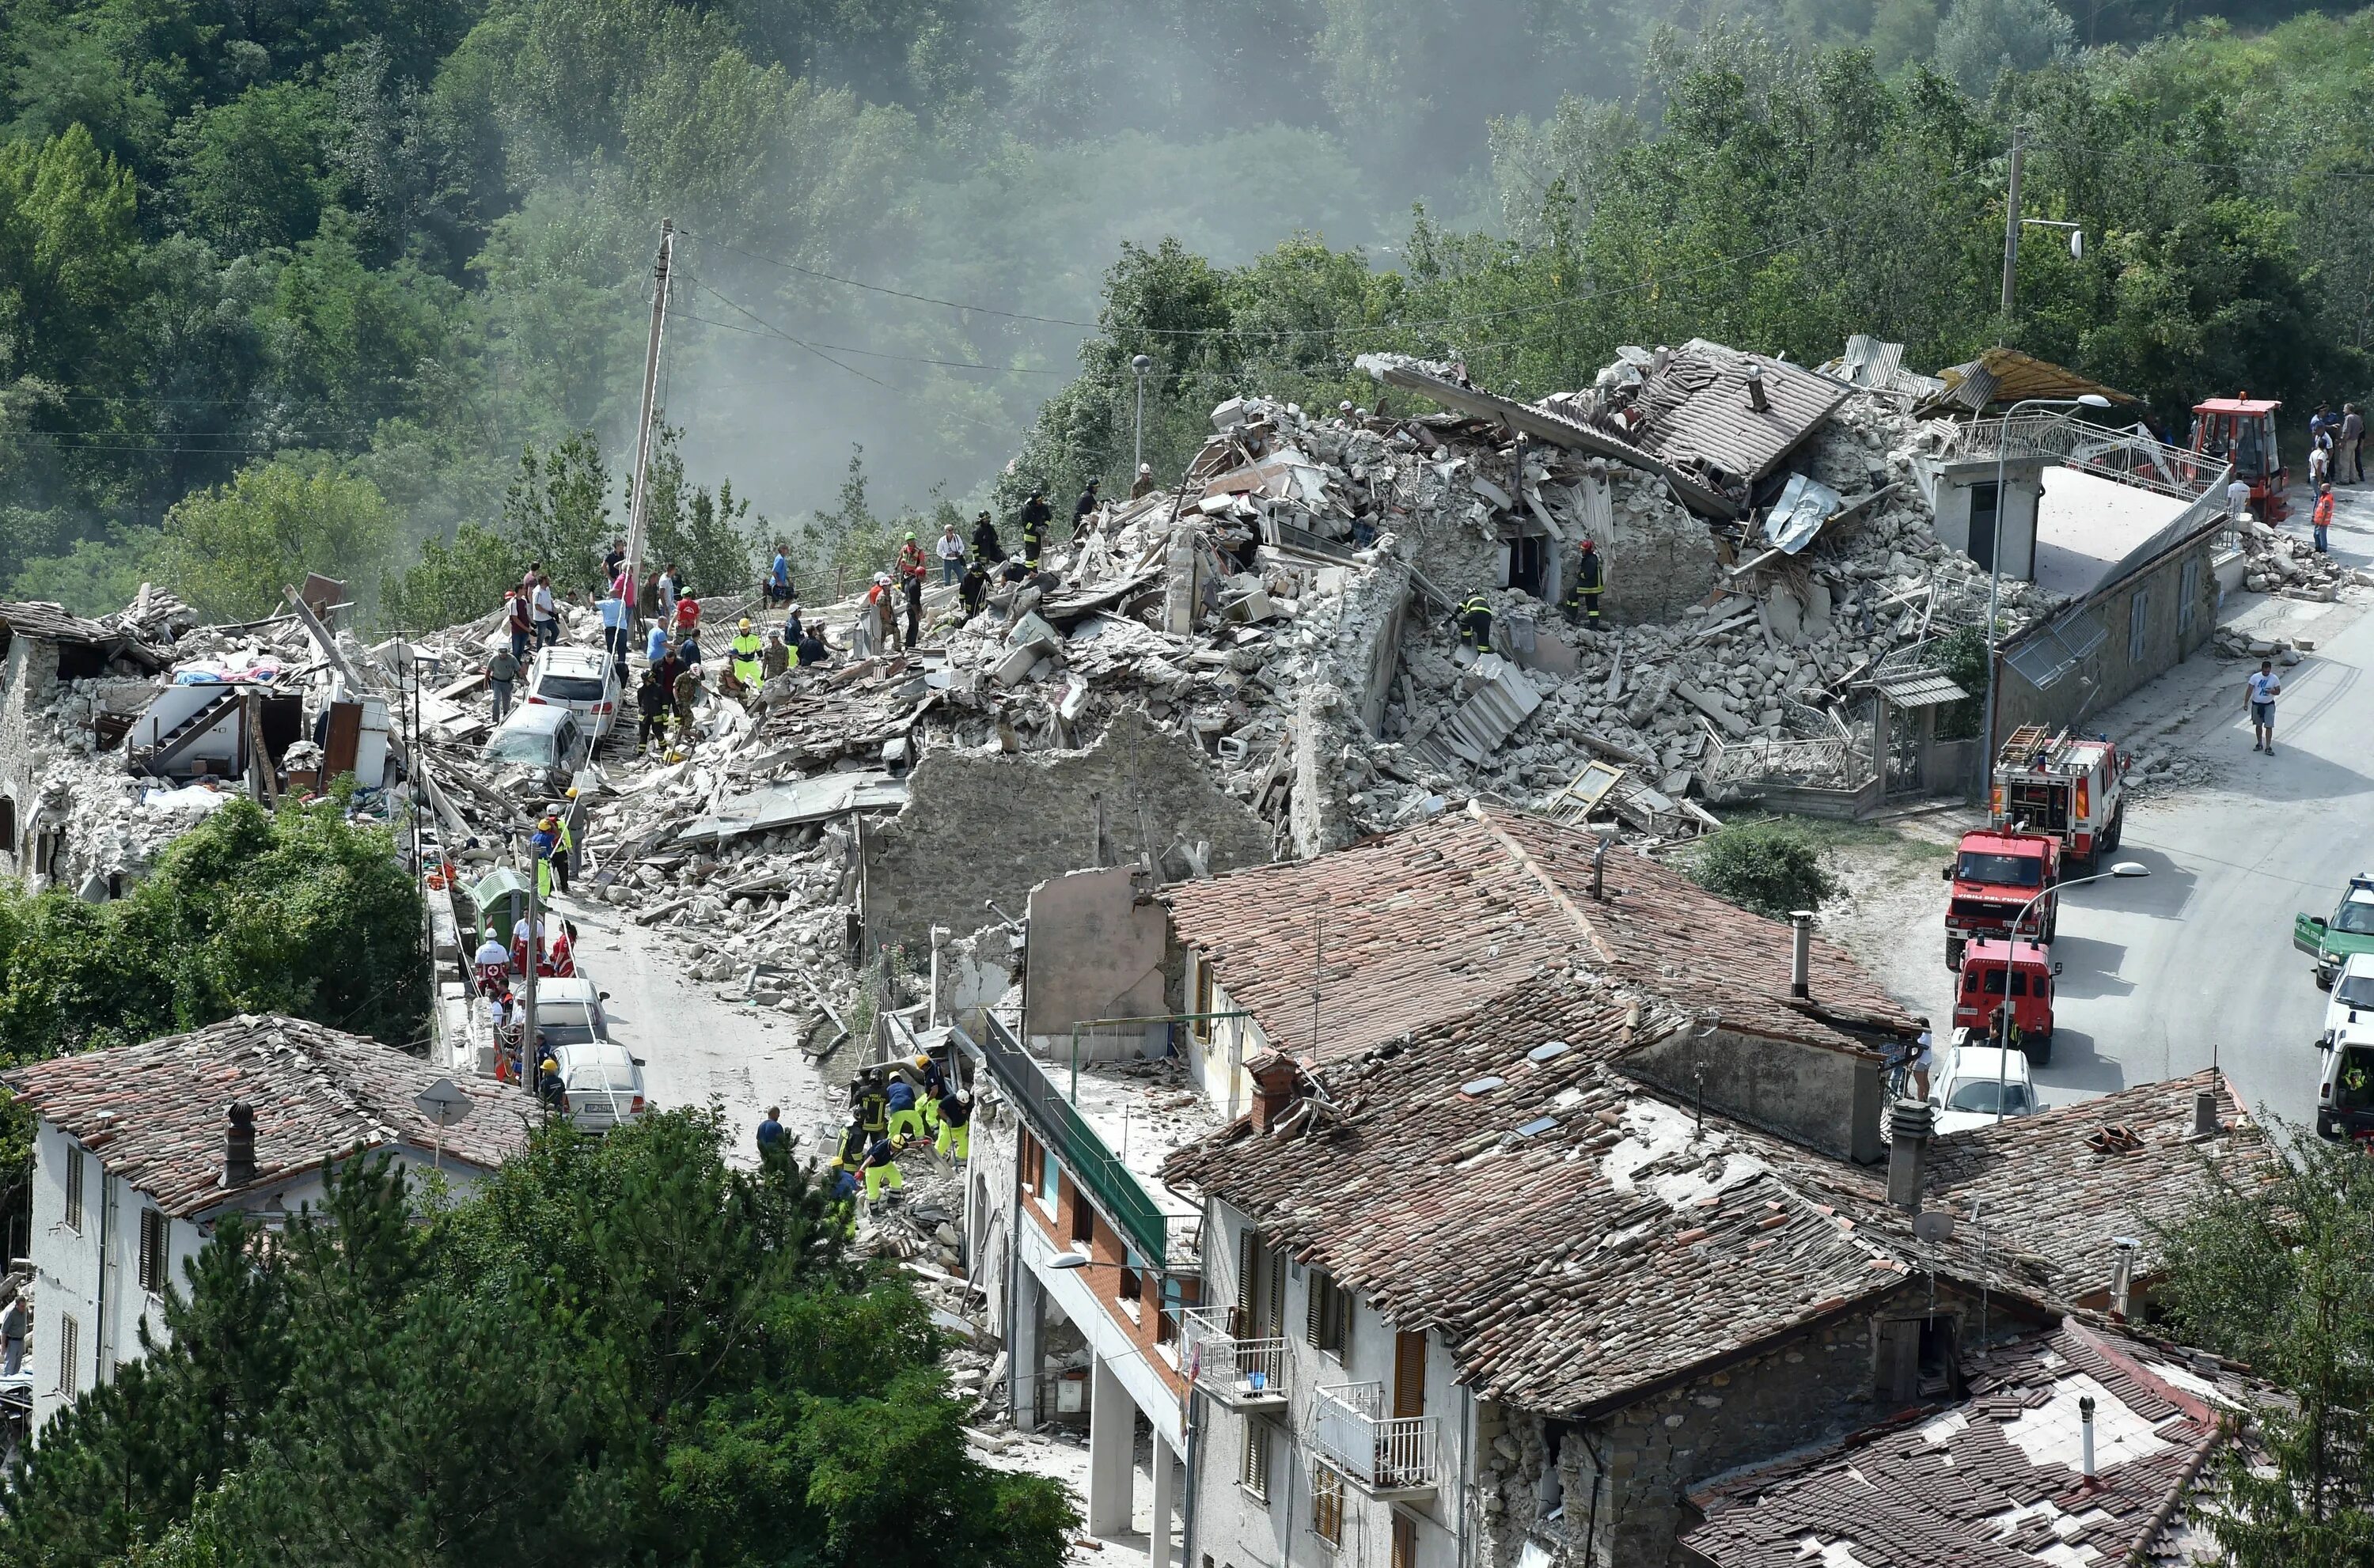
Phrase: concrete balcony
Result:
[1244,1375]
[1386,1457]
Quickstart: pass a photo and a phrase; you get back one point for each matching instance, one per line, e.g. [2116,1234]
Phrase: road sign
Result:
[444,1103]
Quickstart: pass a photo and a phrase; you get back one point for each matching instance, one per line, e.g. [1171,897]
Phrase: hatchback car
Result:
[1981,1084]
[547,738]
[582,680]
[568,1011]
[603,1081]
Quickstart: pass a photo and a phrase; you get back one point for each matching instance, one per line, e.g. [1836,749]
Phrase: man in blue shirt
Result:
[770,1132]
[779,578]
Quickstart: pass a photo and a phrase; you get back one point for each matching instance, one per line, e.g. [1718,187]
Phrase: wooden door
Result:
[1409,1374]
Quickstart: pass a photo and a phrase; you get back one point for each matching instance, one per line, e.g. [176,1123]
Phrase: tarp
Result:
[1797,516]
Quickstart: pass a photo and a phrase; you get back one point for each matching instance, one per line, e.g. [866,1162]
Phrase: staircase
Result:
[156,759]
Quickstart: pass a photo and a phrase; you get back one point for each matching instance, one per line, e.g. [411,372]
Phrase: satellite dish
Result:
[444,1103]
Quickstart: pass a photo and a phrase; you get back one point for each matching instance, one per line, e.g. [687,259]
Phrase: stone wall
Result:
[979,828]
[1659,559]
[1825,1099]
[2174,600]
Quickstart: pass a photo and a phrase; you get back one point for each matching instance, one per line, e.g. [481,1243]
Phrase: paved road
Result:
[695,1047]
[2162,974]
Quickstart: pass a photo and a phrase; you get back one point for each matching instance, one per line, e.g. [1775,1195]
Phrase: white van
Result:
[2345,1089]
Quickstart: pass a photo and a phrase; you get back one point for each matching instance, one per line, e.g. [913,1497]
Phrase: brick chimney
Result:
[1910,1123]
[1273,1077]
[239,1145]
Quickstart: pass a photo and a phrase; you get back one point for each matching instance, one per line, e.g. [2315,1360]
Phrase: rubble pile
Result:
[2287,564]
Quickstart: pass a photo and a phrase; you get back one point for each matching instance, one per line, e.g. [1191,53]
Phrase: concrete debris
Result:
[2287,564]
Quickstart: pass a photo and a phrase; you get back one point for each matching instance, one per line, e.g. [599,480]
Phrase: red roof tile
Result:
[1418,927]
[154,1113]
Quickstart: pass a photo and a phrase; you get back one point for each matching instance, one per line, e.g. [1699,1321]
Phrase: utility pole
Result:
[529,1054]
[639,509]
[2011,234]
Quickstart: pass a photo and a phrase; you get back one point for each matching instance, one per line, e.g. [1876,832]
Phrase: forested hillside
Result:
[306,282]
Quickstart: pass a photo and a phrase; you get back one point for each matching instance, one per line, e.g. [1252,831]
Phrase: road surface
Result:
[2196,963]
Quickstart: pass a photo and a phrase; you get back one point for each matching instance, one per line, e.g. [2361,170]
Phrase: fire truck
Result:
[2241,430]
[2000,879]
[2067,787]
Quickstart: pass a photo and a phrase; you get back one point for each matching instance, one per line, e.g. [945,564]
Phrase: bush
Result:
[1771,870]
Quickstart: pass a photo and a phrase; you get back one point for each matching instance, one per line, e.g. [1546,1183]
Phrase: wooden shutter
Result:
[73,1188]
[1314,1304]
[1404,1541]
[1275,1323]
[1409,1374]
[152,1251]
[69,1350]
[1242,1328]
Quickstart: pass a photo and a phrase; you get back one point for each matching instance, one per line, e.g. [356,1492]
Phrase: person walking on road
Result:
[2261,692]
[2322,518]
[2348,453]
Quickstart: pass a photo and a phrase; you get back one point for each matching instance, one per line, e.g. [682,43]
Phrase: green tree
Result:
[2276,1266]
[558,510]
[255,173]
[1772,869]
[452,582]
[229,551]
[1980,39]
[68,244]
[618,1351]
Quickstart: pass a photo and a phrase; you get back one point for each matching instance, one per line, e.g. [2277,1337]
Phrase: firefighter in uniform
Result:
[1590,583]
[1475,619]
[1035,515]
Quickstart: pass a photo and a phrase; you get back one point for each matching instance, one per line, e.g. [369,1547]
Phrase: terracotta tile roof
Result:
[154,1113]
[1576,1239]
[1418,927]
[2059,1190]
[1995,1482]
[55,623]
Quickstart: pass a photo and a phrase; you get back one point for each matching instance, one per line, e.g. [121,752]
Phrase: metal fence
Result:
[2128,456]
[1236,1369]
[1054,1121]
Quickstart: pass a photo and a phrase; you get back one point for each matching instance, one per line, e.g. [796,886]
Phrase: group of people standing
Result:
[891,1110]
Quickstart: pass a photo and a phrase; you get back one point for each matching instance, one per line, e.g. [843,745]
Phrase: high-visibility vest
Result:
[746,647]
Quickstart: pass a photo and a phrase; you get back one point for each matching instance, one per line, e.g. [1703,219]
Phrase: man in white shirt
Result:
[546,614]
[2237,500]
[2261,692]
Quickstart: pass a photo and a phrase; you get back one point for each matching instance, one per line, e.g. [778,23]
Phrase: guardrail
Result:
[1243,1373]
[1054,1121]
[2127,456]
[1377,1452]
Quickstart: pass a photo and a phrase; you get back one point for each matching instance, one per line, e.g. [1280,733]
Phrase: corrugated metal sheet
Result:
[2044,654]
[1696,407]
[1505,700]
[2005,375]
[1918,688]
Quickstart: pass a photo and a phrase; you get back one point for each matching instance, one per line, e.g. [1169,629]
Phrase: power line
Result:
[875,353]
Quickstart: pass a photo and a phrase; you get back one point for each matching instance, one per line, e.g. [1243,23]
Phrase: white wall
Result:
[1217,1063]
[1232,1526]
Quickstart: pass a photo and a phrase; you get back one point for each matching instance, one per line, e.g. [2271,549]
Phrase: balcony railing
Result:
[1053,1120]
[1383,1456]
[2126,455]
[1247,1375]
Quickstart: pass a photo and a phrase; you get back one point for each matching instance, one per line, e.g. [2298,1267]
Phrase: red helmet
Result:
[1588,546]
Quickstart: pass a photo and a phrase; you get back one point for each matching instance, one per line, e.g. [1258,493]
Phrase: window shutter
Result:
[70,1349]
[1315,1286]
[1275,1323]
[1409,1374]
[1243,1326]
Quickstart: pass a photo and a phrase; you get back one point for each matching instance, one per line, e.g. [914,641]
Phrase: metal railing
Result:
[1834,762]
[1054,1121]
[1376,1451]
[1236,1370]
[2128,456]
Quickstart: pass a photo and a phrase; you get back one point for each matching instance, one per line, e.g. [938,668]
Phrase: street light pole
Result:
[2000,1026]
[1994,566]
[1141,364]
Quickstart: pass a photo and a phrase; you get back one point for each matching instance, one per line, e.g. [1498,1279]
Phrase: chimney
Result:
[1756,398]
[1800,954]
[239,1145]
[1273,1078]
[1599,872]
[1909,1125]
[2204,1115]
[2122,1276]
[2086,1436]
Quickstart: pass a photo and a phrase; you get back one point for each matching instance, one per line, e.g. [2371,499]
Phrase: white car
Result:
[2352,996]
[603,1081]
[582,680]
[1978,1085]
[568,1011]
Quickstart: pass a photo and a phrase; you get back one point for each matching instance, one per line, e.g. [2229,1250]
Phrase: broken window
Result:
[1986,509]
[1084,1217]
[2138,624]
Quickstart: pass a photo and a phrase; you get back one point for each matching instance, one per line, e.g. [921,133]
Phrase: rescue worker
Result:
[882,1170]
[746,647]
[2006,1032]
[794,628]
[906,1120]
[687,692]
[549,1084]
[935,1089]
[871,1103]
[956,1128]
[564,853]
[542,843]
[987,544]
[1084,508]
[493,963]
[651,702]
[812,651]
[847,1161]
[910,558]
[878,618]
[1475,619]
[1590,583]
[1143,485]
[775,659]
[564,951]
[973,591]
[1035,515]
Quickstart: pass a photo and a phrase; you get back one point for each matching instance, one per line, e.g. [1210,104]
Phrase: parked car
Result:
[603,1080]
[1978,1085]
[2353,994]
[547,738]
[2332,943]
[582,680]
[568,1011]
[2345,1089]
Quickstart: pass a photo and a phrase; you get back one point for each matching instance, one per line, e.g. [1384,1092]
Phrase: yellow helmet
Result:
[745,623]
[921,1061]
[572,791]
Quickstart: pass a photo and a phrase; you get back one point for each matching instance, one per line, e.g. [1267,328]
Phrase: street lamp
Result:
[1994,563]
[2000,1026]
[1141,364]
